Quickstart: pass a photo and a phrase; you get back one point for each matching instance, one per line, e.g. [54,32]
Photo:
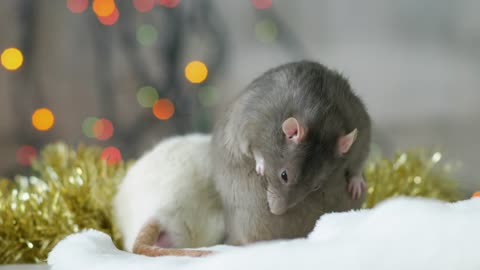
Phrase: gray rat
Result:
[286,151]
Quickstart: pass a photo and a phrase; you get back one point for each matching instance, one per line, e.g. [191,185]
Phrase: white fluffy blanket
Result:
[401,233]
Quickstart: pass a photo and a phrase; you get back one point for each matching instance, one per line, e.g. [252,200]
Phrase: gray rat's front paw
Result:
[259,163]
[260,167]
[356,186]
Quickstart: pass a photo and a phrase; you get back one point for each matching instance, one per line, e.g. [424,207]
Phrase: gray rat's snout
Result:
[277,204]
[277,199]
[282,196]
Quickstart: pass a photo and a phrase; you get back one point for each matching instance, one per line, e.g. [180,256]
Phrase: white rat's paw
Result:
[356,186]
[260,167]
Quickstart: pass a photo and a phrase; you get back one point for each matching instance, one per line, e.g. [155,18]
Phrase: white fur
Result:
[172,183]
[402,233]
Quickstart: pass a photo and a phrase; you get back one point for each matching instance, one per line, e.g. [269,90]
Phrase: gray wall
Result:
[415,63]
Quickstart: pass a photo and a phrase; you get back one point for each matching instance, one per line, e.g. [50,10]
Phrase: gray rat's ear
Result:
[293,130]
[345,142]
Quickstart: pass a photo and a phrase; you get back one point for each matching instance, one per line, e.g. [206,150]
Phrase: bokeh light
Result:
[208,96]
[43,119]
[147,35]
[110,19]
[87,126]
[196,72]
[103,129]
[111,155]
[12,58]
[476,194]
[26,154]
[146,96]
[143,5]
[77,6]
[163,109]
[266,31]
[103,8]
[169,3]
[262,4]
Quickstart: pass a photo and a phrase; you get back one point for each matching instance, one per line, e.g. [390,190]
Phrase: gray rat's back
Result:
[324,99]
[258,111]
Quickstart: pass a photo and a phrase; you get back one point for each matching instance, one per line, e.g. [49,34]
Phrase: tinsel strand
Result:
[69,190]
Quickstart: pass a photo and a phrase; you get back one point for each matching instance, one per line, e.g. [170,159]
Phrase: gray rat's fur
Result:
[322,99]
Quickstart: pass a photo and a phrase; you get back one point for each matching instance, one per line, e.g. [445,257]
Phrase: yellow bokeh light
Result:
[103,8]
[12,58]
[196,72]
[43,119]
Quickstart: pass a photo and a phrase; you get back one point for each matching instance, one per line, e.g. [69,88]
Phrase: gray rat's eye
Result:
[284,176]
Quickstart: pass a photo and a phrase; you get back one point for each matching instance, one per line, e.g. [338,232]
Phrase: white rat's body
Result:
[172,185]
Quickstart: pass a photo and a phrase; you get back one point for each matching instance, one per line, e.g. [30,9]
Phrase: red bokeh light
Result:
[163,109]
[168,3]
[111,155]
[262,4]
[25,155]
[77,6]
[110,19]
[143,5]
[103,129]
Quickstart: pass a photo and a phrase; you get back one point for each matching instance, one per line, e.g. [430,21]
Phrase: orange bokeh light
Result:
[111,155]
[26,154]
[110,19]
[163,109]
[476,194]
[77,6]
[168,3]
[103,8]
[103,129]
[43,119]
[143,5]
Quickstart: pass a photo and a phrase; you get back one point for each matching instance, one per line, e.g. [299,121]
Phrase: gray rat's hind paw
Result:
[356,186]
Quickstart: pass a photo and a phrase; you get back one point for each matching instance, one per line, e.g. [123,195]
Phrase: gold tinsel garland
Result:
[71,190]
[411,173]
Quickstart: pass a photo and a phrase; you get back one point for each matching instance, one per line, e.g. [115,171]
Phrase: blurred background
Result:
[124,74]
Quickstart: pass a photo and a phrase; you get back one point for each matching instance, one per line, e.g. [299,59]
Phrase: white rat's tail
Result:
[147,237]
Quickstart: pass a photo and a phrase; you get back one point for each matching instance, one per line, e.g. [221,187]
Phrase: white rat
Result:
[168,201]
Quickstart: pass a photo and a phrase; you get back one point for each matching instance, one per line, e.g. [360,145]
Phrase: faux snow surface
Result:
[401,233]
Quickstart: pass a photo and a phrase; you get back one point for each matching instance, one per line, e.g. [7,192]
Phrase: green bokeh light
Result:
[266,31]
[87,126]
[208,96]
[147,35]
[146,96]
